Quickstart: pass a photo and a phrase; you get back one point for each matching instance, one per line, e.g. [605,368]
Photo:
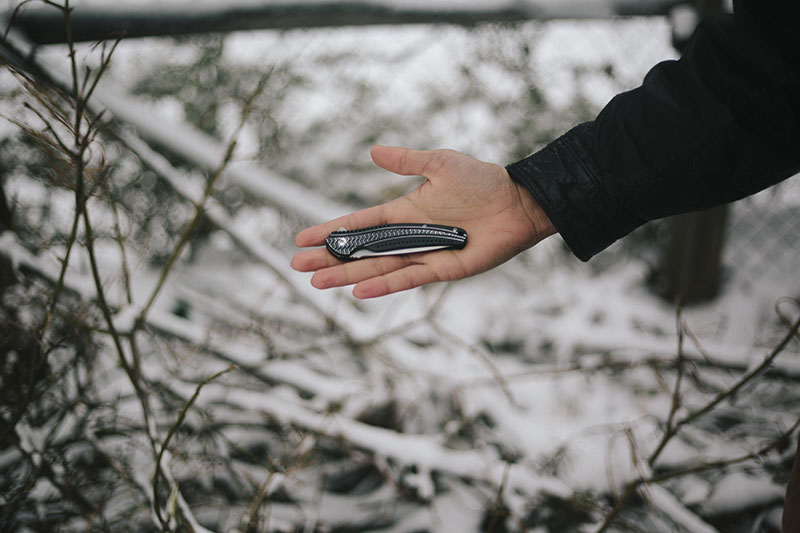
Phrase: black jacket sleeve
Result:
[721,123]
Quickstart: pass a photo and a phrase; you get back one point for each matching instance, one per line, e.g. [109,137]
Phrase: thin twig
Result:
[634,485]
[118,237]
[786,321]
[104,64]
[13,17]
[676,392]
[744,380]
[172,430]
[499,379]
[48,127]
[200,205]
[255,504]
[712,465]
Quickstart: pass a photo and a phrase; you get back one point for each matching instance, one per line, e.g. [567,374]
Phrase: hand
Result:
[501,218]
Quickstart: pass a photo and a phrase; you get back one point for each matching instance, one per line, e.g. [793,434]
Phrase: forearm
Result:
[718,125]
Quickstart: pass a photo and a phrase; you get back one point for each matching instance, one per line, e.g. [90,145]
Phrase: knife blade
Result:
[394,239]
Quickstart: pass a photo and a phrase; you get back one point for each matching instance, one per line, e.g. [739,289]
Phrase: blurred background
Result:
[163,369]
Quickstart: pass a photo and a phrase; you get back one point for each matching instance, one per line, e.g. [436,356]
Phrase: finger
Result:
[313,260]
[407,162]
[414,275]
[315,235]
[352,272]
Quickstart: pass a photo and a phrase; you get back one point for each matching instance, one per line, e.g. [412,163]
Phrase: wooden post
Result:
[691,266]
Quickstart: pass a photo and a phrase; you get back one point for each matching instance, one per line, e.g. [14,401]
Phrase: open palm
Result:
[501,220]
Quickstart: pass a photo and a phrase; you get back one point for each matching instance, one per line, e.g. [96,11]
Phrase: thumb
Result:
[404,161]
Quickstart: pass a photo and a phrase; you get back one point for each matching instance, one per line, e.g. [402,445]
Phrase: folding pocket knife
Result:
[393,239]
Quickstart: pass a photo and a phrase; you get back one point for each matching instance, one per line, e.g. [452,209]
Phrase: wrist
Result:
[539,222]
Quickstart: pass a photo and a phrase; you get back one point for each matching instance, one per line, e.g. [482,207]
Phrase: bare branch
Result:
[669,433]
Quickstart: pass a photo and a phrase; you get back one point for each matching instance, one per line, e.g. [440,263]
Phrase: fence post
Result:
[691,266]
[691,263]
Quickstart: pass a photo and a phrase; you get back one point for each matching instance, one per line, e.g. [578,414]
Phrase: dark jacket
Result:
[721,123]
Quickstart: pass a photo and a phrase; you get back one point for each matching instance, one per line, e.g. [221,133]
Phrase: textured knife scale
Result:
[393,239]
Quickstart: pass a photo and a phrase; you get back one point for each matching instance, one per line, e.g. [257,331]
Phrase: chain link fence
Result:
[763,237]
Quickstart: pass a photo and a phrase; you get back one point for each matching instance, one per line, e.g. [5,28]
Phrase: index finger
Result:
[315,235]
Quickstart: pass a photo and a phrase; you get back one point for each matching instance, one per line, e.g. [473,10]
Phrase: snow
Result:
[739,490]
[675,510]
[544,376]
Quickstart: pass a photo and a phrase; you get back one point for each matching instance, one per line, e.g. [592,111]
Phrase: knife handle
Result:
[394,239]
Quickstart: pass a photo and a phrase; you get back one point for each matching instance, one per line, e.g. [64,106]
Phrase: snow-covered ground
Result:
[519,400]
